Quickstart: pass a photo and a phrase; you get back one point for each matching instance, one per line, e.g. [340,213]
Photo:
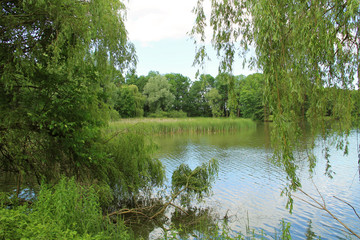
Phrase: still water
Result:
[249,184]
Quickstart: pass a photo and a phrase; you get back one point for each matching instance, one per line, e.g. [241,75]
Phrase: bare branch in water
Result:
[349,205]
[322,206]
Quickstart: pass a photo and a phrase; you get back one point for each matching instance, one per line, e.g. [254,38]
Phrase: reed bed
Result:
[182,125]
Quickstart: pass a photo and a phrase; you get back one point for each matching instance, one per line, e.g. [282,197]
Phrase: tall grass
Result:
[180,125]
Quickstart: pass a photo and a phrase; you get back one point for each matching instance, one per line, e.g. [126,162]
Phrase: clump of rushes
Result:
[180,125]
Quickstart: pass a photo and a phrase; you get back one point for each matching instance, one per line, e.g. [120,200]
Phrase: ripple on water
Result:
[249,185]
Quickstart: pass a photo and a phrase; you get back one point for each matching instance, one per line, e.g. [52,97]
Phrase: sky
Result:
[158,29]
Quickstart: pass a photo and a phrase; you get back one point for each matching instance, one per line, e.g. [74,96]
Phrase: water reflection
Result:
[195,222]
[250,184]
[9,184]
[309,232]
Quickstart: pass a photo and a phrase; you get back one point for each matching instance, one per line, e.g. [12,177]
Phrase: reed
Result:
[181,125]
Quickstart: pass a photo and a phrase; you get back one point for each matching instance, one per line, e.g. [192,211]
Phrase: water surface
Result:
[249,184]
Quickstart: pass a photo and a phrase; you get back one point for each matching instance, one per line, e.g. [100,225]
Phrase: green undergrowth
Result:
[179,125]
[65,211]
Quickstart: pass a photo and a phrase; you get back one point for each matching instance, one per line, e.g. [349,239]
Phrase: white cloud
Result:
[158,28]
[156,20]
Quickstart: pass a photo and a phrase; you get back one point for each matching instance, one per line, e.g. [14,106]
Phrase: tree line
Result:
[226,95]
[175,95]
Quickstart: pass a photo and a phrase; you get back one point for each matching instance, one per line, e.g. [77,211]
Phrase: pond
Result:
[249,184]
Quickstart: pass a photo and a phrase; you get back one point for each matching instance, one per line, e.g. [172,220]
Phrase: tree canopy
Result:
[158,93]
[214,99]
[250,96]
[57,61]
[179,86]
[129,101]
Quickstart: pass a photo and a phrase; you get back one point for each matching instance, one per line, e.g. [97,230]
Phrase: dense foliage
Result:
[222,96]
[58,59]
[250,96]
[179,86]
[129,102]
[190,184]
[66,211]
[158,95]
[214,98]
[129,168]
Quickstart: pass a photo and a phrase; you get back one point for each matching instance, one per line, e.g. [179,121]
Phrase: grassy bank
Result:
[179,125]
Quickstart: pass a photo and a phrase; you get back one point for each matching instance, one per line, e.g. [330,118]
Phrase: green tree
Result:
[225,83]
[57,59]
[214,99]
[302,47]
[235,103]
[198,105]
[180,86]
[158,95]
[140,82]
[251,91]
[207,82]
[129,102]
[222,85]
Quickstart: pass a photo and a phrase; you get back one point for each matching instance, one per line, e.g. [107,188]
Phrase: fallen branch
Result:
[175,195]
[184,186]
[168,203]
[349,205]
[126,211]
[182,210]
[322,206]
